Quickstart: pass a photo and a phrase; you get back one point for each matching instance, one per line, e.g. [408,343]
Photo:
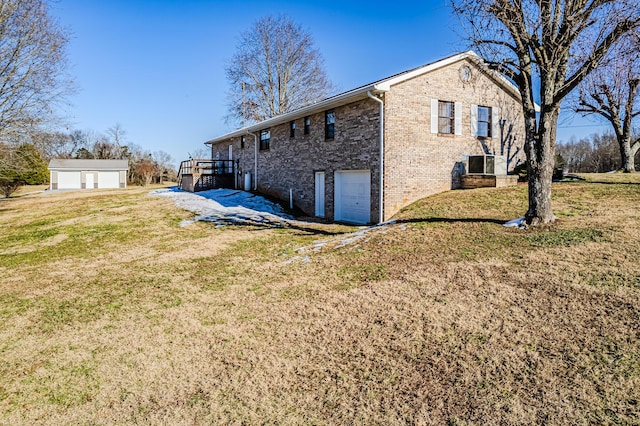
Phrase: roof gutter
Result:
[381,191]
[333,102]
[361,92]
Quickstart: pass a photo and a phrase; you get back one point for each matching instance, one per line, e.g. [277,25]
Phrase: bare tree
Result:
[576,153]
[144,170]
[611,92]
[59,144]
[104,149]
[276,69]
[111,145]
[131,153]
[32,65]
[605,155]
[546,48]
[164,163]
[117,135]
[200,153]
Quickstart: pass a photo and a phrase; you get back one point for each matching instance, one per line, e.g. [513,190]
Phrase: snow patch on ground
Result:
[344,242]
[232,207]
[227,207]
[516,223]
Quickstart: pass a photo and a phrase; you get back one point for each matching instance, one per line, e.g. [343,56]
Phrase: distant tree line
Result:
[24,160]
[598,153]
[33,82]
[145,167]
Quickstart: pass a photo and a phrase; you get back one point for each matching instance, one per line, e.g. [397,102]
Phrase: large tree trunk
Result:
[540,151]
[627,155]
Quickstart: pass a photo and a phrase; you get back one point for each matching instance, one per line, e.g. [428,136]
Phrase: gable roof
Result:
[359,93]
[74,164]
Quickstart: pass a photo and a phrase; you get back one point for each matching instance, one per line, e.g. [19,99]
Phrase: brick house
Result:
[419,127]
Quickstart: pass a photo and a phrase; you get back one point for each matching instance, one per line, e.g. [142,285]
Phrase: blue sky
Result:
[157,67]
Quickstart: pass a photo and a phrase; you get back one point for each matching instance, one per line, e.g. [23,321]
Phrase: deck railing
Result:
[200,174]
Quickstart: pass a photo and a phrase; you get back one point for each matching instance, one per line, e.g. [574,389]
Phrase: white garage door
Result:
[353,196]
[108,179]
[69,180]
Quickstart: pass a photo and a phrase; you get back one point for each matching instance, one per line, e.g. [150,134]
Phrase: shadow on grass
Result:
[613,183]
[312,230]
[5,208]
[452,220]
[296,225]
[315,231]
[306,226]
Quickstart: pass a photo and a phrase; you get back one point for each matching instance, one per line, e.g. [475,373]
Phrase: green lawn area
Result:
[114,313]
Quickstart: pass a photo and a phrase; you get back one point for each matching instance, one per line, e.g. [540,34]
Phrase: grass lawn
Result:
[112,313]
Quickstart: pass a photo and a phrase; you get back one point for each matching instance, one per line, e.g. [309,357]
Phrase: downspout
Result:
[381,205]
[255,160]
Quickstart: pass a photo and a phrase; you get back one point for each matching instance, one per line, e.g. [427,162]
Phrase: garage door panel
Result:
[353,196]
[109,180]
[69,180]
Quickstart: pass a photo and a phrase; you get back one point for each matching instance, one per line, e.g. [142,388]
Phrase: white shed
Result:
[88,174]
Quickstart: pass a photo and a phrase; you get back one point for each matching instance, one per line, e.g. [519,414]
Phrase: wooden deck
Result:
[202,174]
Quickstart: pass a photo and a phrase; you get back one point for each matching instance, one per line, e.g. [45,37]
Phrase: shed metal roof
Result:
[96,165]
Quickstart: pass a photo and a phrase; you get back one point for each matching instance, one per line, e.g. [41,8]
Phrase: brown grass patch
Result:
[445,317]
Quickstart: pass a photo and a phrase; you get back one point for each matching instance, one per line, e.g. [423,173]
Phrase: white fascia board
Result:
[333,102]
[428,68]
[471,55]
[504,81]
[383,85]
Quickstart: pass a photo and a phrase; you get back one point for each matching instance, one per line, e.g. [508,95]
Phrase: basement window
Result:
[307,125]
[265,139]
[329,124]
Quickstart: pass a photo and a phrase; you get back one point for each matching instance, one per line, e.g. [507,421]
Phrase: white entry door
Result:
[353,196]
[88,178]
[319,194]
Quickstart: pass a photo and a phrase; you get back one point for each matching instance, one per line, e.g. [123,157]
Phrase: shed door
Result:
[108,179]
[353,196]
[89,180]
[69,180]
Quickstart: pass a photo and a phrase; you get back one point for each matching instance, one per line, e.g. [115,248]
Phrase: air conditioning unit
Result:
[486,165]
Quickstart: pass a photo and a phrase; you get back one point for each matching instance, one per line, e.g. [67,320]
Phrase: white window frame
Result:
[495,121]
[457,117]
